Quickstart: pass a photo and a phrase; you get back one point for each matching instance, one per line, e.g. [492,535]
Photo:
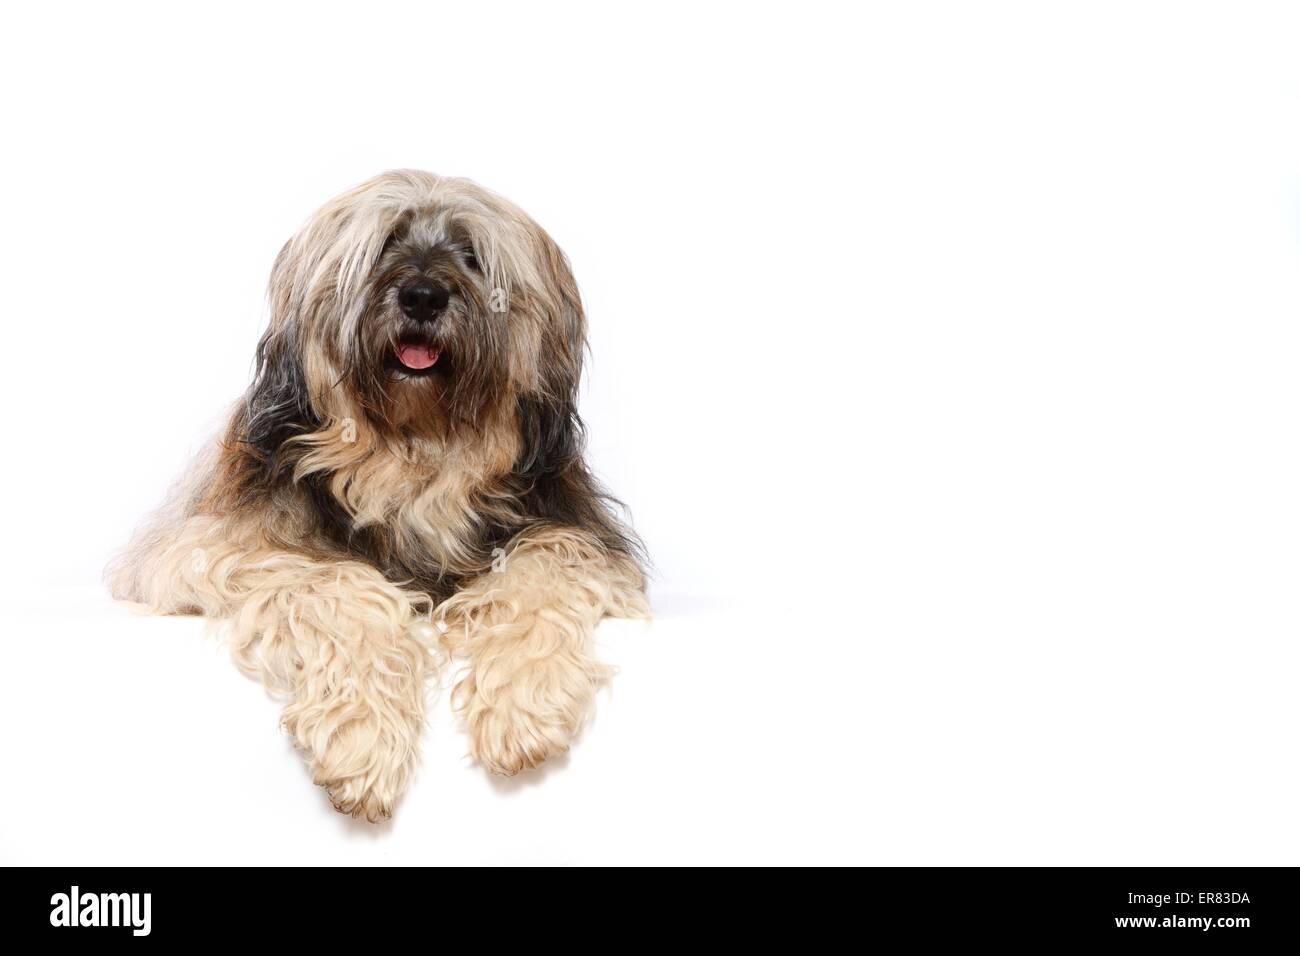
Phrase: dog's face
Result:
[428,289]
[424,305]
[429,349]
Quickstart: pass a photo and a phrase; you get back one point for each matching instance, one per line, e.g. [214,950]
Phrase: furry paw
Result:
[362,751]
[506,741]
[358,797]
[364,769]
[519,716]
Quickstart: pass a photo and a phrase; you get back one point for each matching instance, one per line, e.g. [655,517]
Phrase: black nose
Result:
[423,301]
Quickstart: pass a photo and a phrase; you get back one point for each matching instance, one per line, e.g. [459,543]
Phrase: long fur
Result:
[346,500]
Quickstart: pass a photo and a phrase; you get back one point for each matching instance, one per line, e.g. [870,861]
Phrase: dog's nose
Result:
[423,301]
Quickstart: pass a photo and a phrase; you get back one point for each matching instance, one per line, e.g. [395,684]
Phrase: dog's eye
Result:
[388,244]
[471,261]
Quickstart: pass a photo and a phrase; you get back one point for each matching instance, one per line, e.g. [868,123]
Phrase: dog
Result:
[404,481]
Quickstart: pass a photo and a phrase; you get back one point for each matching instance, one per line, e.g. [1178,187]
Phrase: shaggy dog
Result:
[406,470]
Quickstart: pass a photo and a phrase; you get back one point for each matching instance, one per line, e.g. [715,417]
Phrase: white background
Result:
[945,353]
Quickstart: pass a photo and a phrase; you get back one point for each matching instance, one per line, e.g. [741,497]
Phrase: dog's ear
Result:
[552,433]
[277,405]
[552,437]
[565,337]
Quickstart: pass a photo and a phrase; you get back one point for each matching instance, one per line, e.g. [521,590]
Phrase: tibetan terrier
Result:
[405,473]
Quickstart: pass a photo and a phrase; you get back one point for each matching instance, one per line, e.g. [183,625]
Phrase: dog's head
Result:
[422,304]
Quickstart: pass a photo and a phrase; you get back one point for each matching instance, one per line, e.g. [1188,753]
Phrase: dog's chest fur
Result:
[423,511]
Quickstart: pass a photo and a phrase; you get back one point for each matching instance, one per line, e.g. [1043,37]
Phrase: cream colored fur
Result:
[351,652]
[526,630]
[352,648]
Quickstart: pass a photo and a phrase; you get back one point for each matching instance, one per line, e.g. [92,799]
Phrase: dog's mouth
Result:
[415,355]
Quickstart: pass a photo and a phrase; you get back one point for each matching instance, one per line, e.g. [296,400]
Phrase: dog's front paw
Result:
[506,741]
[363,755]
[519,717]
[363,769]
[360,797]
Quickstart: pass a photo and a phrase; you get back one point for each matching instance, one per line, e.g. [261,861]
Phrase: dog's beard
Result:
[428,378]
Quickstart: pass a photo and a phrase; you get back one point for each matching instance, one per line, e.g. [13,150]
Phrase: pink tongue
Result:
[417,356]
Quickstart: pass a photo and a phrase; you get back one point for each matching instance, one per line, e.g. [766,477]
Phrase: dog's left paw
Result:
[506,740]
[520,718]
